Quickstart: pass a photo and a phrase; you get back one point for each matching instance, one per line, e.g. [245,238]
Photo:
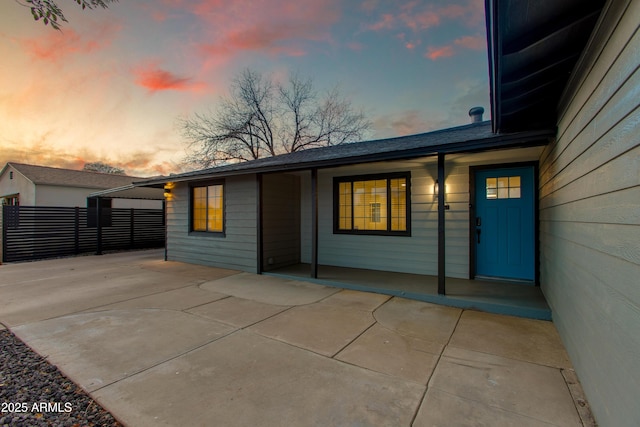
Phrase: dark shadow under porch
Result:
[514,299]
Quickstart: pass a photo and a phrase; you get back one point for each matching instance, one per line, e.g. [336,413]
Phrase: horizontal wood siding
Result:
[281,220]
[237,250]
[590,218]
[415,254]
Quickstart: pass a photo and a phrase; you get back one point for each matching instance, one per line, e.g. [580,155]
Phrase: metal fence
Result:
[38,232]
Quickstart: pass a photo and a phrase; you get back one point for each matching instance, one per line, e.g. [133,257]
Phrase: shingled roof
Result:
[473,137]
[46,175]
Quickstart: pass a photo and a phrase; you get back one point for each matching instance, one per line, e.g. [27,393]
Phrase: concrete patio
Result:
[167,343]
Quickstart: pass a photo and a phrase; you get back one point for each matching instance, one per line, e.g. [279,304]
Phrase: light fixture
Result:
[167,192]
[436,189]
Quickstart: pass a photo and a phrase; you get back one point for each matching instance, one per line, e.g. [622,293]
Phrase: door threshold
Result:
[505,280]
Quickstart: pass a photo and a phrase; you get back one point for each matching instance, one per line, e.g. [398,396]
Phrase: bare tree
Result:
[102,168]
[50,12]
[261,118]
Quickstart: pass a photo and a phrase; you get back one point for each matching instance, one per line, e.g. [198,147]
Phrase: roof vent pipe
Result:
[476,114]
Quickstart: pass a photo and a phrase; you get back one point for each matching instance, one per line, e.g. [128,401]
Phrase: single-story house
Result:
[547,193]
[33,185]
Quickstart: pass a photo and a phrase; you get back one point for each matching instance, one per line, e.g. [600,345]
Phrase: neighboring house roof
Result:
[473,137]
[45,175]
[533,49]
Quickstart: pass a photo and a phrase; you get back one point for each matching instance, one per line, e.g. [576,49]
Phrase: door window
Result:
[504,187]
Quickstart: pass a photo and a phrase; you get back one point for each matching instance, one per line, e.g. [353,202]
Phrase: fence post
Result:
[98,226]
[76,230]
[131,229]
[2,234]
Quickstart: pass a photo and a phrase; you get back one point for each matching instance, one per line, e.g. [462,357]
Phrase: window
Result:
[207,212]
[503,187]
[372,204]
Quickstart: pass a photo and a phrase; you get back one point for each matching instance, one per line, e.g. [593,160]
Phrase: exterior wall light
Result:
[435,194]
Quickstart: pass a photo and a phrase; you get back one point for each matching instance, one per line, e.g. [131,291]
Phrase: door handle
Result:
[478,231]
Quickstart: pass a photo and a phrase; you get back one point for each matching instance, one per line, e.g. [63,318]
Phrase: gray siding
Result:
[280,220]
[590,218]
[237,249]
[416,254]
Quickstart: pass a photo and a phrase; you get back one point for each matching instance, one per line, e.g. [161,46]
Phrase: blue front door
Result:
[505,223]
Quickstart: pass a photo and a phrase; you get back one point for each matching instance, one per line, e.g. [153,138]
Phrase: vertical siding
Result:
[281,220]
[237,249]
[590,218]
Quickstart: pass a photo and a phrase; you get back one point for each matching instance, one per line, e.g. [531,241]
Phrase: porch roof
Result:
[533,49]
[469,138]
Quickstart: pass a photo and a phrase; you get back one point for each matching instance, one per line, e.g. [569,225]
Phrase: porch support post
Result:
[98,226]
[259,248]
[314,223]
[441,241]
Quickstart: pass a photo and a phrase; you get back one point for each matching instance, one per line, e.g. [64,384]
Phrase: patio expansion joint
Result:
[435,366]
[184,353]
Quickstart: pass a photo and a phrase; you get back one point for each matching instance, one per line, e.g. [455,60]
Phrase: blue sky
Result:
[110,86]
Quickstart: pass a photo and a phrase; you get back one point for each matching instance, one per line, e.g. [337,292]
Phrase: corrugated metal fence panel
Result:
[38,232]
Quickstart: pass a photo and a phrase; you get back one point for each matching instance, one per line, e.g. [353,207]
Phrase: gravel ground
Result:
[34,393]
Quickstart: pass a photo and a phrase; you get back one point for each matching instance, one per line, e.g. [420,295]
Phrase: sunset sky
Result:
[111,85]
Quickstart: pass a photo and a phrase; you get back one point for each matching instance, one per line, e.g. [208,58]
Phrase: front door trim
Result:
[472,213]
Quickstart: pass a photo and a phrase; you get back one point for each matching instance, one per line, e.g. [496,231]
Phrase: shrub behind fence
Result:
[38,232]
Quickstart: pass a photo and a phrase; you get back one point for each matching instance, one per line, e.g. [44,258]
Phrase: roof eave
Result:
[502,141]
[493,52]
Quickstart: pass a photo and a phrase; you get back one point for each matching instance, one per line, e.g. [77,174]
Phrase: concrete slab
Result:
[494,382]
[173,352]
[177,299]
[418,319]
[386,351]
[356,300]
[58,296]
[441,409]
[535,341]
[268,289]
[237,311]
[96,349]
[246,380]
[321,328]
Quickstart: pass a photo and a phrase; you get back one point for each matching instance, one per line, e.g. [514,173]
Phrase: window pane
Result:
[344,203]
[398,204]
[215,208]
[514,181]
[375,205]
[503,182]
[492,190]
[208,208]
[199,208]
[514,193]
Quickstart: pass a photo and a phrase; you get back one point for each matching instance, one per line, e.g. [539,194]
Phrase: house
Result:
[32,185]
[546,193]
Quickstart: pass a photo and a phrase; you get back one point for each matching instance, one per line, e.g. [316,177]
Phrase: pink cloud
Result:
[419,16]
[58,45]
[273,41]
[276,27]
[472,42]
[435,53]
[384,23]
[406,122]
[155,79]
